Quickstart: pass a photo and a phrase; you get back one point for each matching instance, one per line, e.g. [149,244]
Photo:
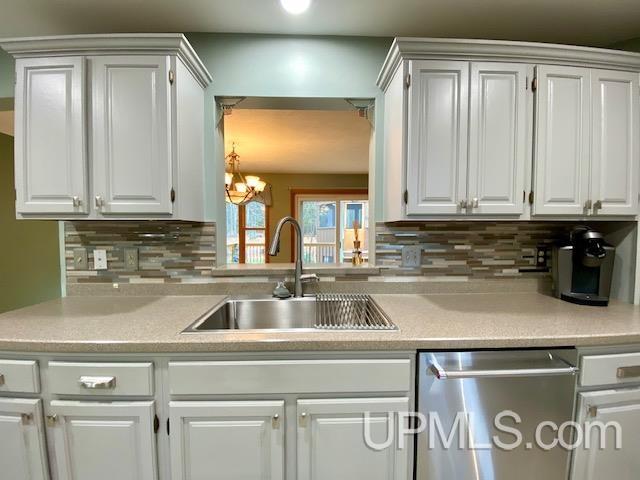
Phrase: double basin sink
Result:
[321,312]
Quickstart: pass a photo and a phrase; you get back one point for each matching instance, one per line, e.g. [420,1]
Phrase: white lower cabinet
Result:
[609,408]
[331,439]
[102,441]
[22,444]
[227,440]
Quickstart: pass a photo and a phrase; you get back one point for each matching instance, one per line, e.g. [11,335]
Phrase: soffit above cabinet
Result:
[111,44]
[496,50]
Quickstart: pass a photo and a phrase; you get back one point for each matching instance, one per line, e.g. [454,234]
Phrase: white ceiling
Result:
[298,141]
[586,22]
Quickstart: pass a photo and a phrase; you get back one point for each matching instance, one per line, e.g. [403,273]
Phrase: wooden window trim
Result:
[242,229]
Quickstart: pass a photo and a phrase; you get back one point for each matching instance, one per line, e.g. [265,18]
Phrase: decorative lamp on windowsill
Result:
[239,189]
[352,241]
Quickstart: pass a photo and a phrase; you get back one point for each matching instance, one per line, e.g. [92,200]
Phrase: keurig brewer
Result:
[582,269]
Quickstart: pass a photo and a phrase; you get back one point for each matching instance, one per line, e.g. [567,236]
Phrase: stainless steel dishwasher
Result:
[461,393]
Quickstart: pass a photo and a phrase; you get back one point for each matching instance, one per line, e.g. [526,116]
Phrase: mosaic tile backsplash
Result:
[473,250]
[184,252]
[168,251]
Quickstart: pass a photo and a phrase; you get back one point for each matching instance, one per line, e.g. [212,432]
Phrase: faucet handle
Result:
[309,277]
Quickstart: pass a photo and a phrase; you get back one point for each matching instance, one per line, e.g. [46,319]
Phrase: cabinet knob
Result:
[1,379]
[475,203]
[52,420]
[76,201]
[275,420]
[597,205]
[26,418]
[303,419]
[99,201]
[464,204]
[588,204]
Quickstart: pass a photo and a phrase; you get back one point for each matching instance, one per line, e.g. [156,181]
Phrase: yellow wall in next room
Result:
[29,254]
[283,183]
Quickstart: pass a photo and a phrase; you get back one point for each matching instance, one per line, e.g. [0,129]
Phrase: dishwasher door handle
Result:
[442,374]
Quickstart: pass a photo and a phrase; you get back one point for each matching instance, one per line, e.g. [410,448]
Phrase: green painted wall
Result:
[286,66]
[632,45]
[29,255]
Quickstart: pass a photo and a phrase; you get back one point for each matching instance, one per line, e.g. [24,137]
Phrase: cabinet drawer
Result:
[89,378]
[19,376]
[289,376]
[611,369]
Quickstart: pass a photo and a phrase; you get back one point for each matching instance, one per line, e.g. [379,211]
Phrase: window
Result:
[247,233]
[328,221]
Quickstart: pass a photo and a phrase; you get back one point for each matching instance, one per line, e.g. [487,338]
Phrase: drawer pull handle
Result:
[275,421]
[1,379]
[628,372]
[52,420]
[97,383]
[26,418]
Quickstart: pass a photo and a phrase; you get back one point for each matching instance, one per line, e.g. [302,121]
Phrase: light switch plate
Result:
[131,259]
[411,255]
[99,259]
[80,260]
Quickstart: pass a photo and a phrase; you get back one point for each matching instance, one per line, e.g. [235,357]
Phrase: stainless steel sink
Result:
[322,312]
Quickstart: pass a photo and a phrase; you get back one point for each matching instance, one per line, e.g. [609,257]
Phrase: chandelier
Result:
[238,188]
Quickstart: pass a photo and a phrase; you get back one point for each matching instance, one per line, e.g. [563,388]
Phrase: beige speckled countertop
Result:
[451,321]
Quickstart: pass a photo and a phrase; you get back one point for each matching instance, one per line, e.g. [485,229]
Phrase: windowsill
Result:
[270,269]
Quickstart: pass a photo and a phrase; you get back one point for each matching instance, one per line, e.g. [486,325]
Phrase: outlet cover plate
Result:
[131,259]
[99,259]
[80,259]
[411,255]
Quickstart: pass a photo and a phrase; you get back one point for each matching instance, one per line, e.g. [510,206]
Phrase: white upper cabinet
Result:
[102,441]
[497,138]
[562,140]
[138,130]
[468,134]
[437,137]
[615,132]
[131,147]
[50,157]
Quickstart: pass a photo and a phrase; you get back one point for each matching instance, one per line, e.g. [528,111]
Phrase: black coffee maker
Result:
[582,269]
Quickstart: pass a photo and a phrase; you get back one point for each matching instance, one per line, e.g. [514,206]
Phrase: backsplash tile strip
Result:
[168,251]
[471,250]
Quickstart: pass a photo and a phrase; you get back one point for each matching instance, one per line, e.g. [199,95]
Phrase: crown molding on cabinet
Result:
[497,50]
[109,44]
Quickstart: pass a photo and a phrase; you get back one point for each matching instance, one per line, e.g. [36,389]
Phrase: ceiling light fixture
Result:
[295,7]
[240,189]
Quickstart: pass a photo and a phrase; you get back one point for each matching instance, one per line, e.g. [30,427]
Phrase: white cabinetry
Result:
[465,139]
[50,156]
[131,145]
[131,148]
[103,441]
[227,439]
[331,439]
[22,451]
[610,407]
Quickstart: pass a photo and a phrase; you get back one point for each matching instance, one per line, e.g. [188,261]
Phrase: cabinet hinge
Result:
[531,197]
[168,427]
[405,197]
[172,77]
[156,424]
[524,196]
[173,195]
[407,80]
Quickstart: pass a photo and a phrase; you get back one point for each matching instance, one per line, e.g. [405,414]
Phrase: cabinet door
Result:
[610,407]
[103,441]
[437,137]
[23,454]
[615,154]
[131,144]
[227,440]
[497,138]
[331,440]
[562,141]
[50,159]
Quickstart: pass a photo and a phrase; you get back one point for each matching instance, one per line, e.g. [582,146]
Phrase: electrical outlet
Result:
[99,259]
[411,255]
[542,253]
[131,259]
[80,260]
